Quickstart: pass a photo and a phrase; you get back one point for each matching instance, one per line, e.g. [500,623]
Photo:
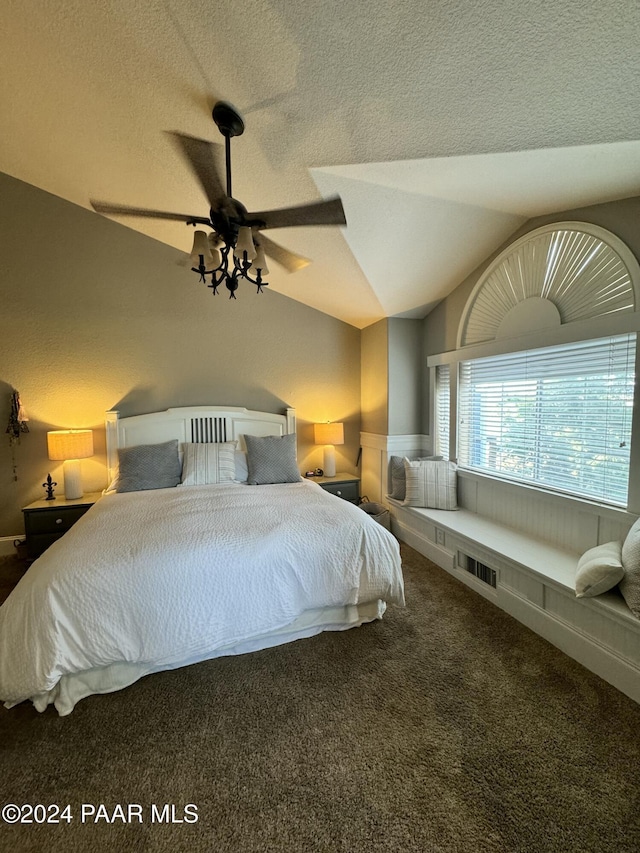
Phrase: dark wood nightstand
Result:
[45,521]
[345,486]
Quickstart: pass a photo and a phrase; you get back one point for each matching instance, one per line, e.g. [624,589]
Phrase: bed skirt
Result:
[72,688]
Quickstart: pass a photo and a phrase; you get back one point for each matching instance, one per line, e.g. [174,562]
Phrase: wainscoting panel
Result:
[376,452]
[620,638]
[572,525]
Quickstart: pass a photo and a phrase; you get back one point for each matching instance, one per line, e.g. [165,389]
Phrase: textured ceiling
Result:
[443,125]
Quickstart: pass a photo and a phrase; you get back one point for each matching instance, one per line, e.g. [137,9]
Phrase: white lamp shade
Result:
[260,261]
[66,444]
[214,252]
[202,247]
[244,243]
[328,433]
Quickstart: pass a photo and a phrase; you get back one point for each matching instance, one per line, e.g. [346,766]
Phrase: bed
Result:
[241,554]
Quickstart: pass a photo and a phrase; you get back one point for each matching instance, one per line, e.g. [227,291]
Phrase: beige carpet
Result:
[446,727]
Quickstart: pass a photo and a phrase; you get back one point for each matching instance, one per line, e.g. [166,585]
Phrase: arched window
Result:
[538,402]
[552,276]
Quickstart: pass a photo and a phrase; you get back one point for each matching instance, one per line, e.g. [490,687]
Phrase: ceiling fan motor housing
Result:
[228,218]
[227,119]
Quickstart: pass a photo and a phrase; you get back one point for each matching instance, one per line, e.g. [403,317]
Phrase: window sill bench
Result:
[534,583]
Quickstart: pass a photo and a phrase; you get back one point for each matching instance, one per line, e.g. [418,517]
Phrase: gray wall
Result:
[97,316]
[393,375]
[405,376]
[619,217]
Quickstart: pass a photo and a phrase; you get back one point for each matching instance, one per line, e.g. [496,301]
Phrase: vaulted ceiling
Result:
[444,125]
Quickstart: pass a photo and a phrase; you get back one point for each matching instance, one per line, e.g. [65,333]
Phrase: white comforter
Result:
[153,580]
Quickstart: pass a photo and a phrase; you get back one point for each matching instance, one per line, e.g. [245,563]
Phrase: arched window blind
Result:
[583,270]
[557,417]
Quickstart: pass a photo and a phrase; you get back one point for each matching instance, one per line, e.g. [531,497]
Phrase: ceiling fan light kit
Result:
[235,249]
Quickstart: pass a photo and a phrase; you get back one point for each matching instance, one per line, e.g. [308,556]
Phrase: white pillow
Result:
[431,484]
[630,583]
[599,569]
[242,472]
[209,463]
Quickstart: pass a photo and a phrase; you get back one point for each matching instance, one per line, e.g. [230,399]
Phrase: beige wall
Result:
[375,378]
[97,316]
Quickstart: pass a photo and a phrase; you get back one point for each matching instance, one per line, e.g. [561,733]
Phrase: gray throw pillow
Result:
[271,459]
[629,586]
[398,481]
[148,466]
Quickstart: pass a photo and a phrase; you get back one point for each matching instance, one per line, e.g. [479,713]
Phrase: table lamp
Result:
[70,446]
[329,434]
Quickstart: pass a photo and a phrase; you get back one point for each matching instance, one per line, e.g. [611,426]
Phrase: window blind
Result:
[442,419]
[557,417]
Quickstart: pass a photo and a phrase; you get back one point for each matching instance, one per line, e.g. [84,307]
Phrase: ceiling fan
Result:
[236,246]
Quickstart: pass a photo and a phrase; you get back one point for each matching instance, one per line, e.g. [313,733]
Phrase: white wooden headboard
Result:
[197,424]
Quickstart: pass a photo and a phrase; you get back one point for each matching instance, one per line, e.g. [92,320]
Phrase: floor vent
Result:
[482,572]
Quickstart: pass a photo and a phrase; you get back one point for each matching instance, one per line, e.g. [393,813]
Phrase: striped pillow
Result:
[205,464]
[430,484]
[397,476]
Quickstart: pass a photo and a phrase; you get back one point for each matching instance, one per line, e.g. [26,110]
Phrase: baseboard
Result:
[440,556]
[7,548]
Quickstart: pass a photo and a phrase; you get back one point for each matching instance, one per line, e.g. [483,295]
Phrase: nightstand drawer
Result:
[53,521]
[346,491]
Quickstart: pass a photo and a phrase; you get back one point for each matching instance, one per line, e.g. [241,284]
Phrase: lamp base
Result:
[329,460]
[72,479]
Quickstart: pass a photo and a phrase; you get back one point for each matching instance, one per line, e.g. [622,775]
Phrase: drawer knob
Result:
[58,521]
[339,493]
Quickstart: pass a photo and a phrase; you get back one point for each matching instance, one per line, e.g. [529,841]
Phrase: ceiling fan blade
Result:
[125,210]
[328,212]
[204,159]
[289,260]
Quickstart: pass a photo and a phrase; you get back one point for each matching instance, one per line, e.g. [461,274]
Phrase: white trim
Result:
[376,452]
[582,330]
[633,495]
[393,443]
[618,514]
[7,548]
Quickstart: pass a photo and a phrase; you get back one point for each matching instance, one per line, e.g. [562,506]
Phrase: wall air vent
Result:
[480,571]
